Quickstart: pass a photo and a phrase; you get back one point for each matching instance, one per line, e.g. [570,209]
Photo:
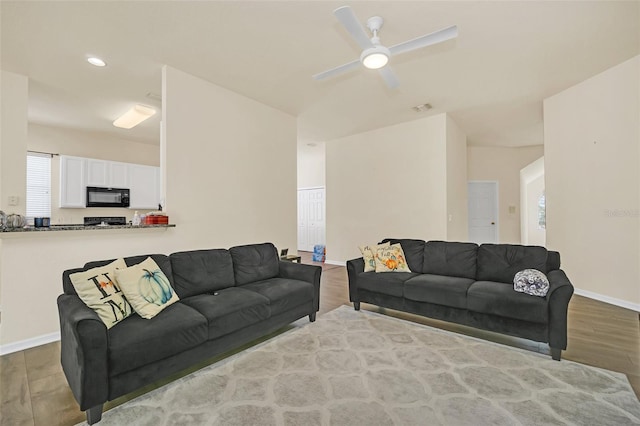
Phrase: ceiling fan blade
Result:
[389,77]
[337,70]
[425,40]
[348,19]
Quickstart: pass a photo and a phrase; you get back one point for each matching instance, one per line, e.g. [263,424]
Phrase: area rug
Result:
[364,368]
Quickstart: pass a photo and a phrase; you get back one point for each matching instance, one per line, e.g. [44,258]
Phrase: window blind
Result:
[38,185]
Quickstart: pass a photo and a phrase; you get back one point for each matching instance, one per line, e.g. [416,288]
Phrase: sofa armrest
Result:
[308,273]
[354,267]
[558,297]
[84,351]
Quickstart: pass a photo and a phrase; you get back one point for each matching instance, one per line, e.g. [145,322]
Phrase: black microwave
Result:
[107,197]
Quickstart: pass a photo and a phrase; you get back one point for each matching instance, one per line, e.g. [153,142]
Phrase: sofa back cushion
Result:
[201,271]
[413,251]
[254,262]
[501,262]
[450,259]
[553,260]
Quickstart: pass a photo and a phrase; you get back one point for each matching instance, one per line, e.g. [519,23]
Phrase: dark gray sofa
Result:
[471,285]
[227,298]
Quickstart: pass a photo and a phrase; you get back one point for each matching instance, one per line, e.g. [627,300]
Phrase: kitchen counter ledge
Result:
[55,228]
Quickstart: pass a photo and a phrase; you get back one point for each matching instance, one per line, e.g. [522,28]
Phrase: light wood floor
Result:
[34,391]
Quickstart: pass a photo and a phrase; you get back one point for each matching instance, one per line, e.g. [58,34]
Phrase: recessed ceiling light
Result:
[96,61]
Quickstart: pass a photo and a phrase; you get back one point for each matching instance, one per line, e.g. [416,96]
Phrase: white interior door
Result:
[311,218]
[483,212]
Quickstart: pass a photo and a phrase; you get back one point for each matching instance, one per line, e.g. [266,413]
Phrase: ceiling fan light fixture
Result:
[375,57]
[134,116]
[95,61]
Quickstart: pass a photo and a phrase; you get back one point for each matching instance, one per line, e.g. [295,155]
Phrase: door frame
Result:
[497,206]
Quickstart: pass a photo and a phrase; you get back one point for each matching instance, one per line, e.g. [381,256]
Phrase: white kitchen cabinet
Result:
[144,183]
[97,172]
[76,173]
[72,181]
[109,174]
[118,174]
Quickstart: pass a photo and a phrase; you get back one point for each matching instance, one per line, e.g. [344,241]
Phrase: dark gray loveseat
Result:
[227,298]
[471,285]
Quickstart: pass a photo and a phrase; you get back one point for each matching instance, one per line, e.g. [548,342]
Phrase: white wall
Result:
[88,144]
[79,143]
[457,210]
[14,92]
[311,165]
[389,182]
[503,165]
[531,189]
[230,166]
[592,138]
[231,175]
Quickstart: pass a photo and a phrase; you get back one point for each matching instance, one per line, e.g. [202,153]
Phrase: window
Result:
[38,185]
[542,212]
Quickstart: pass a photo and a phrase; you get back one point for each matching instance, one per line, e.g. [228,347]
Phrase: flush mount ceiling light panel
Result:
[374,55]
[134,116]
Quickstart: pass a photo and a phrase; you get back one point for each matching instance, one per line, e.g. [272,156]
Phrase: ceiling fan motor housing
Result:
[374,24]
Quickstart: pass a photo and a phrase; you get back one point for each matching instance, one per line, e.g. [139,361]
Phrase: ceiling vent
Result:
[422,108]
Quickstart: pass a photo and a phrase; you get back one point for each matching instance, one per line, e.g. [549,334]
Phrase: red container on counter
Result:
[156,220]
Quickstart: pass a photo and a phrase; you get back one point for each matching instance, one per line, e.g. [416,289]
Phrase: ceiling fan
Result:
[374,55]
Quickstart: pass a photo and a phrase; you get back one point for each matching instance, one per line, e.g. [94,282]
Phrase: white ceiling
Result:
[492,79]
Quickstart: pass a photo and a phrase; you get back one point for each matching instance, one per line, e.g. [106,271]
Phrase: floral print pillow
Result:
[531,281]
[391,259]
[369,254]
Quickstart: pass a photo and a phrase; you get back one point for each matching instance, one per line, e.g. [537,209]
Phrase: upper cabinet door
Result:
[72,182]
[110,174]
[118,175]
[97,172]
[144,183]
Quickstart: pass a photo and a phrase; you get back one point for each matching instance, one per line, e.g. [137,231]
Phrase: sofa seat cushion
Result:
[136,341]
[489,297]
[283,293]
[438,289]
[230,309]
[384,283]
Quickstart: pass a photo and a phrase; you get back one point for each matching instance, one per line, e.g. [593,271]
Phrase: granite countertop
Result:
[79,227]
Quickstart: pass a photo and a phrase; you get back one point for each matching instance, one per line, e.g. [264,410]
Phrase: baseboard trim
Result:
[335,262]
[608,299]
[29,343]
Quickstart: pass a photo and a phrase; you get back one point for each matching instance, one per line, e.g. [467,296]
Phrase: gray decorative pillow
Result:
[531,281]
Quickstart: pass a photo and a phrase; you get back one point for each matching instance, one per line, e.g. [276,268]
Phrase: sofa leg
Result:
[94,414]
[312,317]
[356,306]
[556,353]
